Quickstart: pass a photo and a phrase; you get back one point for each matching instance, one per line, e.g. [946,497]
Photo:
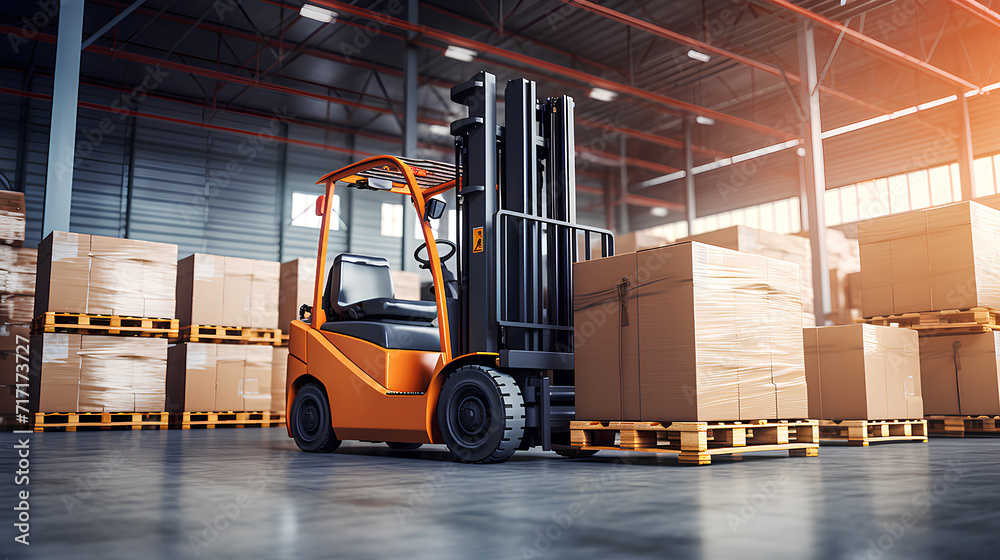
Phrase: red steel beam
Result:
[583,77]
[660,31]
[877,46]
[979,10]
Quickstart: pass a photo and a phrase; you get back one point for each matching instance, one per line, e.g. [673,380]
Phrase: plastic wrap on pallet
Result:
[863,372]
[191,372]
[296,289]
[54,384]
[11,217]
[256,387]
[279,368]
[687,330]
[926,260]
[16,309]
[132,278]
[17,270]
[960,374]
[264,295]
[119,372]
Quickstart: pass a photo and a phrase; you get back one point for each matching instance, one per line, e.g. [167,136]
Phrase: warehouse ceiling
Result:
[261,56]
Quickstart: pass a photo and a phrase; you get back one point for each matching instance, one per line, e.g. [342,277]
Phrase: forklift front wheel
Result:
[481,414]
[310,421]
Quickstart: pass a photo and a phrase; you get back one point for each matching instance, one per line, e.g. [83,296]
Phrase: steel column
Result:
[62,128]
[965,153]
[690,212]
[815,171]
[623,225]
[410,111]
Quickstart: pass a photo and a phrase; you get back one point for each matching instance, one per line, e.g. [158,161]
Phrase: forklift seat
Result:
[364,291]
[359,302]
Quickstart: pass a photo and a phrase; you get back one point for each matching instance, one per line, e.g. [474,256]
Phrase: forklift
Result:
[487,367]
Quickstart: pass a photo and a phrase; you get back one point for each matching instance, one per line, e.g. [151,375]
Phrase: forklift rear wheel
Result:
[481,414]
[310,421]
[403,446]
[573,452]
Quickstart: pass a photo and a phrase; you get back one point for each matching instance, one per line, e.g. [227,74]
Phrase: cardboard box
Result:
[279,368]
[11,217]
[688,336]
[80,273]
[295,290]
[63,282]
[228,291]
[406,285]
[940,258]
[191,372]
[204,377]
[11,336]
[960,374]
[863,372]
[16,309]
[55,383]
[199,289]
[264,292]
[17,270]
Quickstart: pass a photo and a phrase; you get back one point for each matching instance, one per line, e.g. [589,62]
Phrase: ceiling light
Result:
[801,152]
[699,56]
[602,94]
[459,53]
[707,121]
[317,13]
[659,211]
[440,130]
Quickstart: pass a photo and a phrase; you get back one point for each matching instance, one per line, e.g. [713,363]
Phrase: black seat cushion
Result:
[395,309]
[389,335]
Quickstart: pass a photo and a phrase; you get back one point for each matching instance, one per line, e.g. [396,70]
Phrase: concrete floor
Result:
[156,494]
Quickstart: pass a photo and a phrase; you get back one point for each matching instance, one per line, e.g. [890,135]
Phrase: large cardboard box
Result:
[228,291]
[960,374]
[17,270]
[63,282]
[279,368]
[205,377]
[684,333]
[55,382]
[80,273]
[941,258]
[296,289]
[11,217]
[863,372]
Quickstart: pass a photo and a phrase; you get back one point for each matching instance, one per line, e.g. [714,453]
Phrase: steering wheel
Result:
[426,263]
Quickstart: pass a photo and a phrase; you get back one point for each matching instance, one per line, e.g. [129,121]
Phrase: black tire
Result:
[403,446]
[481,414]
[310,421]
[574,453]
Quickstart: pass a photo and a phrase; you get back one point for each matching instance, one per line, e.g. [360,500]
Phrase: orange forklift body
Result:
[375,393]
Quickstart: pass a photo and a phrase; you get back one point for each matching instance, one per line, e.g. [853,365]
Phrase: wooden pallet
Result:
[72,421]
[960,426]
[864,432]
[188,420]
[232,335]
[946,322]
[84,323]
[696,442]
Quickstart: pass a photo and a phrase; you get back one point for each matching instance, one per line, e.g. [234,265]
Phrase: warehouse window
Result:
[418,232]
[392,220]
[304,211]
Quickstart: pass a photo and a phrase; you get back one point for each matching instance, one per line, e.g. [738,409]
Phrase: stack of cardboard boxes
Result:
[688,332]
[94,275]
[842,254]
[231,292]
[17,289]
[940,259]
